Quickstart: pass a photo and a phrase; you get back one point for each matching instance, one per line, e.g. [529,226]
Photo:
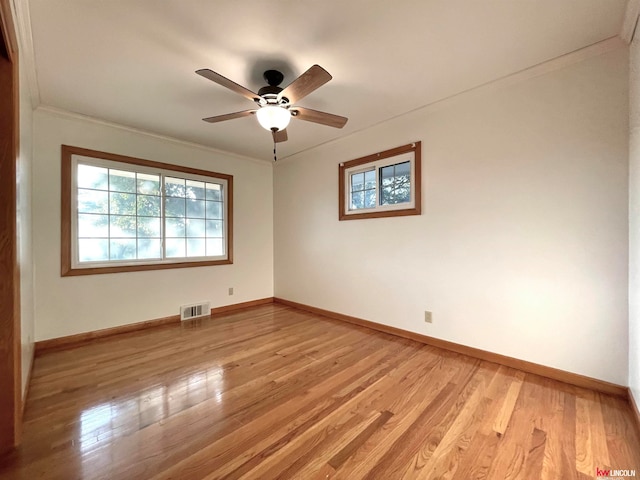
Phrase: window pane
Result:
[93,249]
[195,189]
[122,181]
[402,183]
[123,215]
[357,200]
[386,175]
[148,184]
[92,177]
[123,249]
[149,248]
[369,198]
[196,247]
[214,210]
[195,228]
[403,168]
[357,182]
[174,227]
[149,227]
[370,179]
[214,228]
[174,187]
[385,195]
[214,191]
[92,201]
[148,205]
[122,226]
[395,184]
[215,247]
[195,208]
[402,193]
[93,225]
[122,203]
[174,207]
[176,247]
[363,190]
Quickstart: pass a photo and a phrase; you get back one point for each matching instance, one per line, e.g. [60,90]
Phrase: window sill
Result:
[381,214]
[72,272]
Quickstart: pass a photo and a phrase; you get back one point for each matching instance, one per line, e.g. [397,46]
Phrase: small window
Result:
[385,184]
[126,214]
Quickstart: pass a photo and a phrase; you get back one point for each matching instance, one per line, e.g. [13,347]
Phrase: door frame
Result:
[10,339]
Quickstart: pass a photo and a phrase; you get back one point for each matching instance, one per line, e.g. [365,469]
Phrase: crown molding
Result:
[7,21]
[27,55]
[59,112]
[630,21]
[548,66]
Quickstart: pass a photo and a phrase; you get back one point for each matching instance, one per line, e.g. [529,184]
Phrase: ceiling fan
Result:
[276,105]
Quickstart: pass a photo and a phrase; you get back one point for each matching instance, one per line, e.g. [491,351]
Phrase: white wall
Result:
[522,245]
[70,305]
[634,220]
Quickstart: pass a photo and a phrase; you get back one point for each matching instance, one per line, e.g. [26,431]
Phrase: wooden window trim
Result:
[66,240]
[416,148]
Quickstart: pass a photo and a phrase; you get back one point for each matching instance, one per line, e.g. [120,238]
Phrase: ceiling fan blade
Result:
[281,136]
[225,82]
[229,116]
[306,83]
[322,118]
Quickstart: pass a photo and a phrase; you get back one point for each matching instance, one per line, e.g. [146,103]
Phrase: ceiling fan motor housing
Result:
[273,90]
[273,79]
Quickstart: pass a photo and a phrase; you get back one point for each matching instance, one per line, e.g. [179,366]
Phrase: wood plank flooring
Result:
[275,392]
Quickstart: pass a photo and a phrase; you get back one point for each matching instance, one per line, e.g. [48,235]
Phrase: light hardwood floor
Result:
[275,392]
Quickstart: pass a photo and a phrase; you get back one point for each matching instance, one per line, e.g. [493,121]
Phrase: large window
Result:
[125,214]
[384,184]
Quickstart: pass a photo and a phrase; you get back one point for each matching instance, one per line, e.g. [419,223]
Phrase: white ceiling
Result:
[132,62]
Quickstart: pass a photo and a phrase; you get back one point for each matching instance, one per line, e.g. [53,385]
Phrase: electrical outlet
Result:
[230,290]
[427,317]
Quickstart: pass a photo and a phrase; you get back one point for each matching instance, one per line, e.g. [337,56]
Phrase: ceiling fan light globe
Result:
[272,116]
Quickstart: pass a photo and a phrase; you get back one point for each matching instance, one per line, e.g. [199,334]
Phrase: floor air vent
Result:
[187,312]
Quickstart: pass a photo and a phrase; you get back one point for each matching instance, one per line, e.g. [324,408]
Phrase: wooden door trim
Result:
[10,342]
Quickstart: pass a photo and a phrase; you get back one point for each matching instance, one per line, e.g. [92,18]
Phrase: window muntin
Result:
[363,189]
[118,214]
[380,185]
[194,218]
[137,214]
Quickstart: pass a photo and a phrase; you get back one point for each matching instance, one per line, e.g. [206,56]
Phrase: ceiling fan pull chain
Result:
[273,132]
